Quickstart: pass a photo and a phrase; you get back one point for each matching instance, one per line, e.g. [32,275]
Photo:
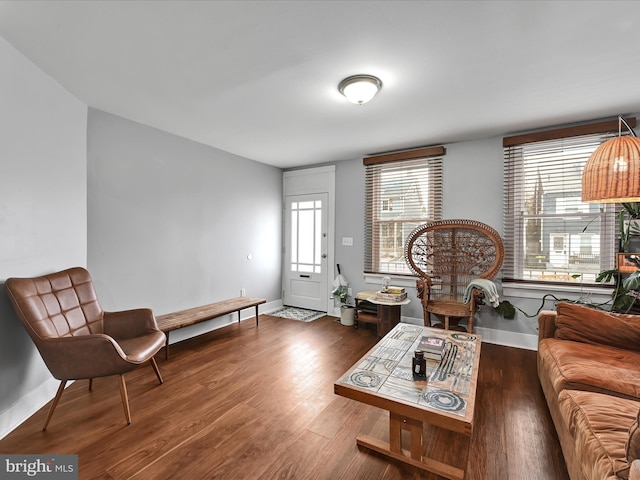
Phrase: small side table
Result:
[366,312]
[388,314]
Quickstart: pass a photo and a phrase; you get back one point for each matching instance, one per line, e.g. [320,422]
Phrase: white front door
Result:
[305,251]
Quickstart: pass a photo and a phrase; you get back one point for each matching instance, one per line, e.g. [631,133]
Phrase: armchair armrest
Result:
[546,324]
[129,323]
[84,356]
[423,288]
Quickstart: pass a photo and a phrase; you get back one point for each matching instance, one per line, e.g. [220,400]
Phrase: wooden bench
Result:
[173,321]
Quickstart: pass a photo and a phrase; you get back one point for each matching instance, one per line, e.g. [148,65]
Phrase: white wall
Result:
[43,212]
[172,221]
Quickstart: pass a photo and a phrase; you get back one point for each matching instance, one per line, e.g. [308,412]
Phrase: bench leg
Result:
[256,315]
[166,347]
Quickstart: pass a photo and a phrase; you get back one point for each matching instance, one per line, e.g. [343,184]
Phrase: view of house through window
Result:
[400,196]
[550,234]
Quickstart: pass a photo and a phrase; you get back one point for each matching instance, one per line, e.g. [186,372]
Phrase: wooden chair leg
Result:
[55,403]
[125,399]
[156,369]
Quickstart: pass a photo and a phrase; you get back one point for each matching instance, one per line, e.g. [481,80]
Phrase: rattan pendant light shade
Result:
[612,173]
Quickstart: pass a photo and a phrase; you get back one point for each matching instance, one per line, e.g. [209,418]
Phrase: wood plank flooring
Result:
[247,402]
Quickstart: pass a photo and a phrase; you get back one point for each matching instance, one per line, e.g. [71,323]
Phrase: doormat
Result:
[294,313]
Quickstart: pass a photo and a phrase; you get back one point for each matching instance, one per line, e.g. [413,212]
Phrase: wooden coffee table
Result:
[383,378]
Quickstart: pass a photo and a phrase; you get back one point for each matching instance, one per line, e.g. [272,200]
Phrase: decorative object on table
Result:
[447,255]
[390,293]
[394,289]
[390,297]
[432,346]
[419,365]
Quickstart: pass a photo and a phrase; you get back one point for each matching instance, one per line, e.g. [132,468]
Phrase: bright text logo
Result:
[50,467]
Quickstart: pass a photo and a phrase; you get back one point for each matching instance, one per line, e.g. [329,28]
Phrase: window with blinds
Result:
[402,191]
[550,235]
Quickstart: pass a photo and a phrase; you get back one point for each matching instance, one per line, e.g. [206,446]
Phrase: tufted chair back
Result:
[61,304]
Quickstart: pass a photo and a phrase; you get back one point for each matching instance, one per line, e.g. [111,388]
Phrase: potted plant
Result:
[630,229]
[347,311]
[626,292]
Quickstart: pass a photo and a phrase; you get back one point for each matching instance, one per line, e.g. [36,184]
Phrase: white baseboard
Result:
[508,339]
[28,405]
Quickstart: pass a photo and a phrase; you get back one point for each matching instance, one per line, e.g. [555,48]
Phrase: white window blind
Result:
[550,235]
[402,191]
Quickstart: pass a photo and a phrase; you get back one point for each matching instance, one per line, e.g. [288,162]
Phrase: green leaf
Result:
[606,276]
[632,209]
[632,282]
[506,309]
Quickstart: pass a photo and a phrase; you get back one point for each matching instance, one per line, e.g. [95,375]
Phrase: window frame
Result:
[514,236]
[374,206]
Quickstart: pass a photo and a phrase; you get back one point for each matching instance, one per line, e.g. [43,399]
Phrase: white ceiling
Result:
[259,78]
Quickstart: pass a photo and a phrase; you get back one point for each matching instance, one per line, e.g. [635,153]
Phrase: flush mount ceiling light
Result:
[360,89]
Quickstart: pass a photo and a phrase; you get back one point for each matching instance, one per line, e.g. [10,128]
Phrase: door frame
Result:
[309,181]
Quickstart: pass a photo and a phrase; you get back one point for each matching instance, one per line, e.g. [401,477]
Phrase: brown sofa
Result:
[589,369]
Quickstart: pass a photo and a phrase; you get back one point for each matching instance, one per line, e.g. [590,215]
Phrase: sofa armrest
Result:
[546,324]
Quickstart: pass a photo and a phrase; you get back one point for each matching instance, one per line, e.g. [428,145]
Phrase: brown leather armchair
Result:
[76,338]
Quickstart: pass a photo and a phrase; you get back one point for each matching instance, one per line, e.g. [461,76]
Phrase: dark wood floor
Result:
[258,403]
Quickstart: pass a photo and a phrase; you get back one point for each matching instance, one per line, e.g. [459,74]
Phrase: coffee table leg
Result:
[413,456]
[397,423]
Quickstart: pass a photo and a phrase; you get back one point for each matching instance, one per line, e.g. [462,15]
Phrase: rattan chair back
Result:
[446,255]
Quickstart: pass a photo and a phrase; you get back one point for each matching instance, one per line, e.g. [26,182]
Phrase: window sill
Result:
[400,281]
[517,290]
[570,292]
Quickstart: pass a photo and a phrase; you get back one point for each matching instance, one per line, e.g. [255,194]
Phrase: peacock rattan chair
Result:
[447,255]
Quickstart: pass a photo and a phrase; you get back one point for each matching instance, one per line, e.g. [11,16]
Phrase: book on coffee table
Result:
[432,346]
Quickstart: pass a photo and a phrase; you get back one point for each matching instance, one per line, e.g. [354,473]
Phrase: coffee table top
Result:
[383,377]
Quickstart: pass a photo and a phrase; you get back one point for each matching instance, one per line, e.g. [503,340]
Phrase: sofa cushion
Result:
[634,473]
[633,442]
[589,325]
[599,425]
[596,368]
